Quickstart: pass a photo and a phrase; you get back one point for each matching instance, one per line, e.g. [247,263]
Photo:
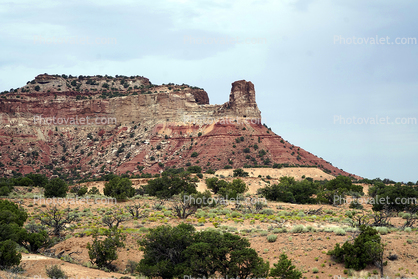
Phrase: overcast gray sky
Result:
[314,63]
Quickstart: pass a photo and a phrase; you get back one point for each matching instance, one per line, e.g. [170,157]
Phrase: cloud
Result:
[302,78]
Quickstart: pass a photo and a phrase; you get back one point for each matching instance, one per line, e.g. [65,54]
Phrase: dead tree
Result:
[381,218]
[57,219]
[114,219]
[357,220]
[183,208]
[314,211]
[135,211]
[411,217]
[254,206]
[159,204]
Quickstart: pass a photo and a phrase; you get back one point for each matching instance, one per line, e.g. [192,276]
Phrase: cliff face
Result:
[161,104]
[242,99]
[131,125]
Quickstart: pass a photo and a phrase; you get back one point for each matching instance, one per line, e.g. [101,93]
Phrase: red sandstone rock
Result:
[150,129]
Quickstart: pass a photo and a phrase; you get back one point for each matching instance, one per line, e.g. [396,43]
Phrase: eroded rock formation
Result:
[146,128]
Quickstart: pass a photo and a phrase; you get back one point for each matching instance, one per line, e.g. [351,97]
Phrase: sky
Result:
[337,78]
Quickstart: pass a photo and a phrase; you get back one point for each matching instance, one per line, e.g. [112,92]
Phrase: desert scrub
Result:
[315,270]
[298,229]
[328,211]
[200,213]
[339,231]
[301,214]
[277,230]
[271,238]
[406,215]
[408,230]
[55,271]
[283,213]
[232,229]
[225,211]
[167,213]
[264,233]
[382,230]
[350,229]
[267,211]
[310,229]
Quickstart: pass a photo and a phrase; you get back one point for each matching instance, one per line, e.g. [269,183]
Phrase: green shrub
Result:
[382,230]
[94,191]
[298,229]
[194,169]
[301,214]
[8,255]
[104,252]
[310,229]
[271,238]
[5,191]
[357,255]
[315,270]
[356,205]
[231,190]
[170,184]
[339,231]
[119,188]
[235,214]
[232,253]
[55,271]
[240,173]
[215,184]
[267,211]
[56,188]
[339,186]
[406,215]
[290,190]
[82,191]
[284,269]
[10,213]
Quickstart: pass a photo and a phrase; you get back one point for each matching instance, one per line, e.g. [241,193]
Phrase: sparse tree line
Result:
[387,200]
[173,186]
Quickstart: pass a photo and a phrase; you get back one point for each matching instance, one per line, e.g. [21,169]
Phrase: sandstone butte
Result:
[157,126]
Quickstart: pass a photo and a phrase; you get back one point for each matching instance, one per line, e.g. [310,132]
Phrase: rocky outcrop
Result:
[135,125]
[242,99]
[169,103]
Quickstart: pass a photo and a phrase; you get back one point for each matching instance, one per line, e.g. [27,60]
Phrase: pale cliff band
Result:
[221,120]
